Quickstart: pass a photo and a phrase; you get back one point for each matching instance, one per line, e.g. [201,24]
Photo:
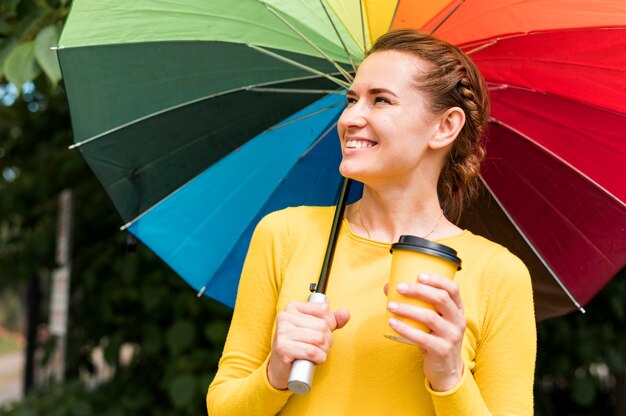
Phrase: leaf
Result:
[182,390]
[152,296]
[47,38]
[112,350]
[216,332]
[180,336]
[5,28]
[614,358]
[20,65]
[81,408]
[584,390]
[151,338]
[617,307]
[5,49]
[10,6]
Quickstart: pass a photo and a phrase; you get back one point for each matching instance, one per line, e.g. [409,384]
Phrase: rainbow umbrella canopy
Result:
[199,117]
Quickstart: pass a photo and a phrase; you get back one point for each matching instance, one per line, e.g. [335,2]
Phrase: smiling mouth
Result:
[359,144]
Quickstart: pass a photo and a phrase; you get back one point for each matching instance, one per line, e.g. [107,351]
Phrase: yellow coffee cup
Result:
[411,256]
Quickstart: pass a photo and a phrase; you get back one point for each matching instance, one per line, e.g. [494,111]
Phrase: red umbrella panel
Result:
[556,152]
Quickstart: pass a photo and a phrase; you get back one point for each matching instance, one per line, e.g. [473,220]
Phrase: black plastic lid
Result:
[411,242]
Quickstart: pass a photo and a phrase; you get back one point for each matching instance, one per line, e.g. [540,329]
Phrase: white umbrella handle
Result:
[302,371]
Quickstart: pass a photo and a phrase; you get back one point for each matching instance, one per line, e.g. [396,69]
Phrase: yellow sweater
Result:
[366,373]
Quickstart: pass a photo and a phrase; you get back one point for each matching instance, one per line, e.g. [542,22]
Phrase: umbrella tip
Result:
[201,292]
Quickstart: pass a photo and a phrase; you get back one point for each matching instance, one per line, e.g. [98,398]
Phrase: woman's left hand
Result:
[443,364]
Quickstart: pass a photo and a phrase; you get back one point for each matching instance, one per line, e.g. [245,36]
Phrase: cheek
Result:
[341,126]
[385,128]
[340,129]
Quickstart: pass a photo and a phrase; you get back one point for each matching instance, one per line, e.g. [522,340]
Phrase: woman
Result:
[411,133]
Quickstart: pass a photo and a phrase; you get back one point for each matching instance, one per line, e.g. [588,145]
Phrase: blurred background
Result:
[116,332]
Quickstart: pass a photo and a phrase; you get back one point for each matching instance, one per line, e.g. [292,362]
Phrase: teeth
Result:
[358,144]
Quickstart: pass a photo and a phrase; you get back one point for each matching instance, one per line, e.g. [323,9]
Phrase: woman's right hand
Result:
[303,331]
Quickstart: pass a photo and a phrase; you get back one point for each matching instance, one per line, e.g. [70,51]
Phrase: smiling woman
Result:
[385,110]
[412,133]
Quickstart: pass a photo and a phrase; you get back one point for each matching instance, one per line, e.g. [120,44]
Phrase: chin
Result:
[352,172]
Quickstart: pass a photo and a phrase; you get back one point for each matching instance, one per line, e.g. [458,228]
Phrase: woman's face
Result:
[385,129]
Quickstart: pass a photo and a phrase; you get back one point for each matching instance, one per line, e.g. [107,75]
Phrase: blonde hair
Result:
[451,79]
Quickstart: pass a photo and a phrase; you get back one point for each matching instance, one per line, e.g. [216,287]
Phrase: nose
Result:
[353,116]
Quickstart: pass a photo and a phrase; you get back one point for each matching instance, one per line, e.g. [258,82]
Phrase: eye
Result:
[350,100]
[382,100]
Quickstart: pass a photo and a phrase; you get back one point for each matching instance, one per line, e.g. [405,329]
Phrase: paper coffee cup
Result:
[411,256]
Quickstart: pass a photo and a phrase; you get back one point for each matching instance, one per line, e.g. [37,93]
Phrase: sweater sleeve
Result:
[240,386]
[502,379]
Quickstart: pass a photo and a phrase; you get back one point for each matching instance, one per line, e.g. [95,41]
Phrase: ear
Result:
[448,128]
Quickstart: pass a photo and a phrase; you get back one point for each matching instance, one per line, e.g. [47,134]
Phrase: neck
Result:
[387,213]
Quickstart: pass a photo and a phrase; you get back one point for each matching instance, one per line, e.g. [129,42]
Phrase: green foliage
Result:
[8,344]
[10,311]
[117,298]
[19,64]
[28,28]
[582,356]
[47,38]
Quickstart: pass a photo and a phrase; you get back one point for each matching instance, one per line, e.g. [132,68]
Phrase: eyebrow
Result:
[374,91]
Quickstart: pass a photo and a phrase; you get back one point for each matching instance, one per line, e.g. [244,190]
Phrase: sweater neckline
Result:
[386,244]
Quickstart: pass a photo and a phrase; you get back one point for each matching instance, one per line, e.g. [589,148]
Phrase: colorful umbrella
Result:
[201,117]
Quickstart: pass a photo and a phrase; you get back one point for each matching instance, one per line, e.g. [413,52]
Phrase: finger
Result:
[386,288]
[322,340]
[302,329]
[319,310]
[287,320]
[439,298]
[428,342]
[342,316]
[436,323]
[444,283]
[291,350]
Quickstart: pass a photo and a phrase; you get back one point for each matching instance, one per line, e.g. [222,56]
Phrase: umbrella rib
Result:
[488,42]
[362,26]
[617,71]
[481,47]
[447,16]
[319,139]
[393,18]
[130,123]
[134,220]
[268,200]
[494,86]
[338,35]
[560,159]
[294,90]
[345,73]
[532,247]
[305,116]
[338,81]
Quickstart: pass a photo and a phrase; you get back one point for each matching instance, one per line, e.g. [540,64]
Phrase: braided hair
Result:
[451,79]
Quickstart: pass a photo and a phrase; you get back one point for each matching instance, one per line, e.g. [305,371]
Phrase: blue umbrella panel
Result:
[203,230]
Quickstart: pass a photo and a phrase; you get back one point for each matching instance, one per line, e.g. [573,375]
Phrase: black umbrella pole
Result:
[301,374]
[334,235]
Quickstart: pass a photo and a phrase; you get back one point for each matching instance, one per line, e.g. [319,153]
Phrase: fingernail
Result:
[392,306]
[393,322]
[424,278]
[402,287]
